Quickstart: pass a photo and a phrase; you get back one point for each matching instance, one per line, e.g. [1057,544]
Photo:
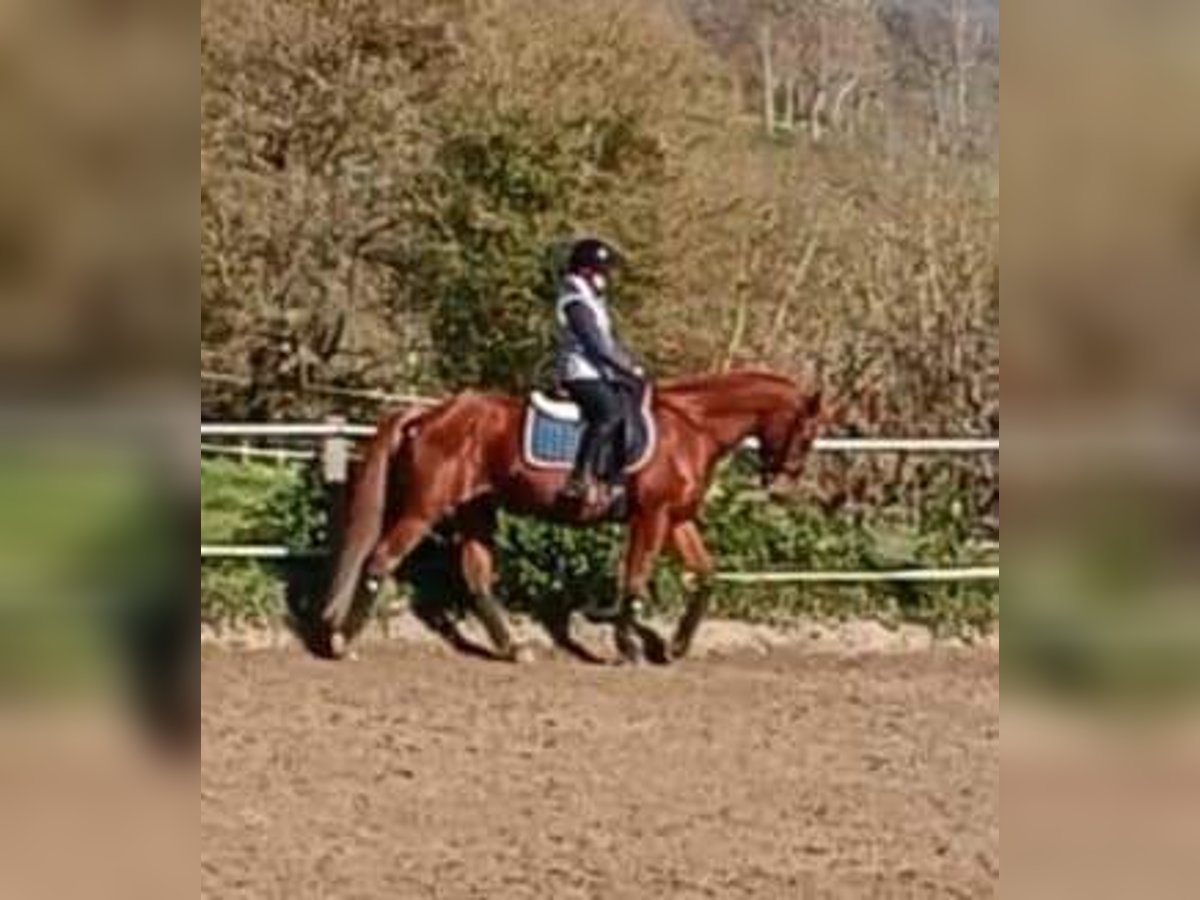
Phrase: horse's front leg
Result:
[698,563]
[647,535]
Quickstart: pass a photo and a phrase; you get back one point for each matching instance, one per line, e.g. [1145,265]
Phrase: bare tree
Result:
[826,53]
[942,50]
[768,77]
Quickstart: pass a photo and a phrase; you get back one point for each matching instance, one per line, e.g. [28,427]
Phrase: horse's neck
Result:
[730,427]
[727,414]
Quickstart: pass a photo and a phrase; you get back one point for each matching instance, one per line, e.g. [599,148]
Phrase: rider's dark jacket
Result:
[588,349]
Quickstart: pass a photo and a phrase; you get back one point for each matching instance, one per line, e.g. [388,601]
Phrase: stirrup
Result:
[615,492]
[576,488]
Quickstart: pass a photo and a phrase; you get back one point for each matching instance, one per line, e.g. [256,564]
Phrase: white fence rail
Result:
[318,430]
[976,573]
[285,431]
[281,553]
[265,552]
[336,435]
[247,452]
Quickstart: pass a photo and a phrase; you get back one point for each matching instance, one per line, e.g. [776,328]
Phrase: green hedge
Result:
[543,567]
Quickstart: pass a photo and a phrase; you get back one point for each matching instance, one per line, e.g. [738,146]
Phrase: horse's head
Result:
[788,434]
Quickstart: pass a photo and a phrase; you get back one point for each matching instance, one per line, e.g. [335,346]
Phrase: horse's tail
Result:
[366,516]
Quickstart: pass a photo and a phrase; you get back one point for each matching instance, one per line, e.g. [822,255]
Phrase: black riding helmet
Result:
[593,255]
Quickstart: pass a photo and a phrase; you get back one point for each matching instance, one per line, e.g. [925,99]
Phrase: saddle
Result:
[553,428]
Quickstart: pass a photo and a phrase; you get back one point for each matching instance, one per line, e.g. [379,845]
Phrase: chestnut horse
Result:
[464,458]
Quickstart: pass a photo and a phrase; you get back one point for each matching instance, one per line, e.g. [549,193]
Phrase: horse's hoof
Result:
[517,655]
[339,647]
[523,655]
[628,656]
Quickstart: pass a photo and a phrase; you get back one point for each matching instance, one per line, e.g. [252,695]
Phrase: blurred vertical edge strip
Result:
[99,317]
[98,522]
[99,196]
[1101,158]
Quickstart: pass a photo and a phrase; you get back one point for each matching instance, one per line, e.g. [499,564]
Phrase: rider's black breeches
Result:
[603,413]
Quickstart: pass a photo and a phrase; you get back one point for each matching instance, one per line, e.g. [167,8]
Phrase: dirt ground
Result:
[414,773]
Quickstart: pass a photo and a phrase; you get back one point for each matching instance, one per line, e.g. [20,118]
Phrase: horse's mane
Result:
[727,380]
[689,395]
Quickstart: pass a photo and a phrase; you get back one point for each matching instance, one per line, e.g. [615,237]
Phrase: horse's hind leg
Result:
[389,553]
[396,546]
[479,570]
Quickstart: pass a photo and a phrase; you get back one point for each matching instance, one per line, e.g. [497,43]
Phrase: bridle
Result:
[811,408]
[774,468]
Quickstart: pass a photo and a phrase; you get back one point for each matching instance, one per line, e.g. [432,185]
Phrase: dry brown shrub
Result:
[878,265]
[310,132]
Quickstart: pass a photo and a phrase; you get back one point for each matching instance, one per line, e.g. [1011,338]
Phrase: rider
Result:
[591,364]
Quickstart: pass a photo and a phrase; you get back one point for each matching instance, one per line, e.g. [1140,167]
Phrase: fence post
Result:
[335,474]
